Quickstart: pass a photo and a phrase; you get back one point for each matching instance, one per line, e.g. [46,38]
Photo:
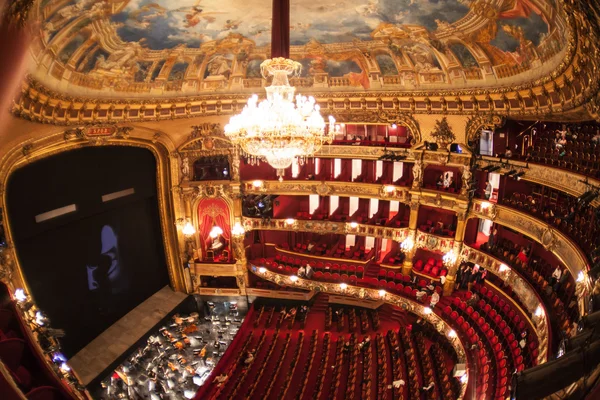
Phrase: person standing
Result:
[488,190]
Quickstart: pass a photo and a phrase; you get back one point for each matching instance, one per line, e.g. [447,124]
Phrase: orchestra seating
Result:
[322,359]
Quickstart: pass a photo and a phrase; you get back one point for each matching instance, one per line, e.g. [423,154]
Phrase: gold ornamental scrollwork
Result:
[478,122]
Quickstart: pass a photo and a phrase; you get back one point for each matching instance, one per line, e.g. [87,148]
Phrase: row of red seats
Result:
[433,268]
[19,355]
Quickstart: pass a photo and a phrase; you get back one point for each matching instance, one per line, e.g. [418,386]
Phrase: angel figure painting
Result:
[163,24]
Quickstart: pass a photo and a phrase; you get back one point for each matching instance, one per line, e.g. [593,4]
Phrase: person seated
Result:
[220,379]
[309,271]
[508,153]
[397,384]
[421,294]
[440,181]
[435,298]
[301,272]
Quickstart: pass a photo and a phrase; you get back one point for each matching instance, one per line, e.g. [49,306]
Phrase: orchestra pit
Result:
[355,199]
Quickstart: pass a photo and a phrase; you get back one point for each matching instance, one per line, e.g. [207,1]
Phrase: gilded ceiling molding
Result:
[523,290]
[553,240]
[37,149]
[16,12]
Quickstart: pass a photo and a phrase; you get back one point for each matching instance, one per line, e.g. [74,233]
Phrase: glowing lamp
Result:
[407,244]
[464,378]
[20,295]
[293,278]
[343,286]
[580,276]
[262,270]
[353,225]
[390,189]
[257,183]
[452,333]
[64,367]
[503,268]
[290,221]
[188,229]
[539,311]
[382,293]
[427,310]
[238,230]
[215,232]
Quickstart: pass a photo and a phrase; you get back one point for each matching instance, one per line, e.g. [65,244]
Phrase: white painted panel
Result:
[373,207]
[378,169]
[350,240]
[337,167]
[369,243]
[295,168]
[313,203]
[398,170]
[334,202]
[356,168]
[353,205]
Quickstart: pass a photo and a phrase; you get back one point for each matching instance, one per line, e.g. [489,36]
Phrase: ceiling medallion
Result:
[278,130]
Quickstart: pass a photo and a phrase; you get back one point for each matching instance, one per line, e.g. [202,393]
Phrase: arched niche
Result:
[213,217]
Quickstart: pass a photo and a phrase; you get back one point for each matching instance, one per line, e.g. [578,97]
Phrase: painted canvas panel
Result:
[67,52]
[178,71]
[464,56]
[143,68]
[386,63]
[163,24]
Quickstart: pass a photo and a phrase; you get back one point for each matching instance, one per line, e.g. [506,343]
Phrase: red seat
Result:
[44,393]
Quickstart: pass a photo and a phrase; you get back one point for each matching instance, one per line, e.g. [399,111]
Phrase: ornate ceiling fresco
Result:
[146,48]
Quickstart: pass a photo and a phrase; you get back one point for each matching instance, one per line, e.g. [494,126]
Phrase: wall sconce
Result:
[580,277]
[449,258]
[539,312]
[20,295]
[188,229]
[353,225]
[427,310]
[503,268]
[290,221]
[389,189]
[262,270]
[343,286]
[452,334]
[382,293]
[238,230]
[407,244]
[257,184]
[294,278]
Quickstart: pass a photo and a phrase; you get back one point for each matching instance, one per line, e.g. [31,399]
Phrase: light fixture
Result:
[464,378]
[20,295]
[394,126]
[390,189]
[452,333]
[353,225]
[215,232]
[188,229]
[262,270]
[59,357]
[580,277]
[449,258]
[503,268]
[64,367]
[257,183]
[39,318]
[485,205]
[293,278]
[278,129]
[238,230]
[343,286]
[290,221]
[382,293]
[539,311]
[407,244]
[427,310]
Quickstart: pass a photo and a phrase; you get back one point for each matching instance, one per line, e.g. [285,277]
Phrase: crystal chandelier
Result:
[278,130]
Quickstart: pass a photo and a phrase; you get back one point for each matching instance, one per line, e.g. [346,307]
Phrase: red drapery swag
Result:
[213,212]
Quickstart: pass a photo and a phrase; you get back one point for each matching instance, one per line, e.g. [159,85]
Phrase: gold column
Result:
[412,234]
[457,248]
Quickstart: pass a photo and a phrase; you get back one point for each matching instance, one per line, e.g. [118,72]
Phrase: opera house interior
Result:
[274,199]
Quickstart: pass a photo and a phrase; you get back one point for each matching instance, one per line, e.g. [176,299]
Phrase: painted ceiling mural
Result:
[136,48]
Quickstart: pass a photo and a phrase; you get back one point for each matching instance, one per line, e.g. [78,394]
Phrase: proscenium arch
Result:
[28,152]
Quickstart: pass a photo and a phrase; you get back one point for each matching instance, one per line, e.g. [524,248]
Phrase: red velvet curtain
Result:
[213,212]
